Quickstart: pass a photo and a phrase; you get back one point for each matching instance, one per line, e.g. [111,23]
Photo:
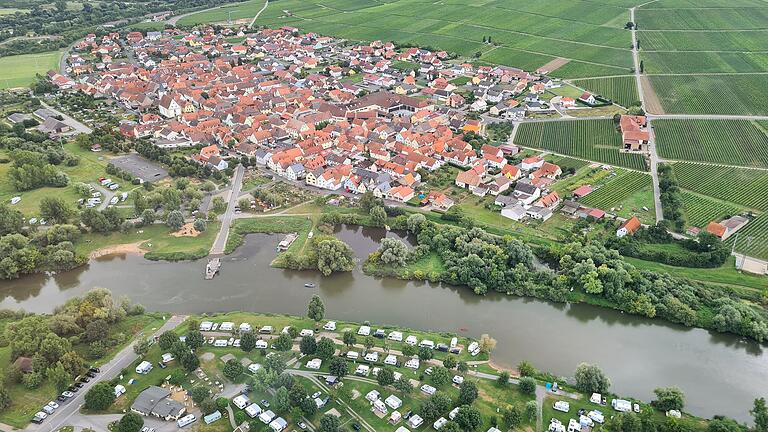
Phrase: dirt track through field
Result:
[553,65]
[652,101]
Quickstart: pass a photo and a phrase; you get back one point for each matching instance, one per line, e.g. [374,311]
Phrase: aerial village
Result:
[326,114]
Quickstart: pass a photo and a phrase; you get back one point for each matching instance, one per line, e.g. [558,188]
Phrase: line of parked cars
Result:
[67,394]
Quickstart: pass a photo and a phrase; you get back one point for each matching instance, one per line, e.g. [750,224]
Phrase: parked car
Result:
[94,370]
[53,405]
[265,403]
[68,394]
[90,375]
[84,379]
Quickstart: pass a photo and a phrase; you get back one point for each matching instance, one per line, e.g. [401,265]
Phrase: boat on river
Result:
[309,285]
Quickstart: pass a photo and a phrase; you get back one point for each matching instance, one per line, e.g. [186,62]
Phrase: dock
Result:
[212,268]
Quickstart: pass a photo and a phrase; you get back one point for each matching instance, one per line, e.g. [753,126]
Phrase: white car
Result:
[53,405]
[42,415]
[330,325]
[68,394]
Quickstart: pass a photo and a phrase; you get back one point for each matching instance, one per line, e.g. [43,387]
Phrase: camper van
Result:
[186,420]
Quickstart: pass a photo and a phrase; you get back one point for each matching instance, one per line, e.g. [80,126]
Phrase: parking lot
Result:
[140,167]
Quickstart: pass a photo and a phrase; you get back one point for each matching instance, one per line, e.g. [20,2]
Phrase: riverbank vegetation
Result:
[42,354]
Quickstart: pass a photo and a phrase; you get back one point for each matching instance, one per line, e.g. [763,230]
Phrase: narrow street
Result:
[220,243]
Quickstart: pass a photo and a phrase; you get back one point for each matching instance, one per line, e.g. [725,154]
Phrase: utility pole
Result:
[229,19]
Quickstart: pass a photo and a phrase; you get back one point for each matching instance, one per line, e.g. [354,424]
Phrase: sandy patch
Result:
[652,102]
[512,371]
[188,230]
[207,356]
[553,65]
[130,248]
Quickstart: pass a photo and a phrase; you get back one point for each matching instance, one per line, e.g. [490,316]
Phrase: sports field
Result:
[524,34]
[729,142]
[595,140]
[20,70]
[706,57]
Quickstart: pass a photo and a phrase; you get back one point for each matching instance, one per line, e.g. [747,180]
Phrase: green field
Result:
[704,62]
[699,17]
[621,90]
[526,35]
[712,94]
[595,140]
[742,186]
[752,240]
[10,11]
[730,142]
[701,210]
[738,41]
[20,70]
[625,195]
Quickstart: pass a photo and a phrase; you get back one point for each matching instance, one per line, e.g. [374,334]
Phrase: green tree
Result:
[449,362]
[141,347]
[189,361]
[100,397]
[199,393]
[275,364]
[329,423]
[175,220]
[393,251]
[467,392]
[5,397]
[368,201]
[248,341]
[233,369]
[283,342]
[148,217]
[308,345]
[669,398]
[282,401]
[468,418]
[349,338]
[440,376]
[724,424]
[334,256]
[130,422]
[526,369]
[531,410]
[527,385]
[316,308]
[59,376]
[378,216]
[512,417]
[759,413]
[386,377]
[338,367]
[166,340]
[503,379]
[194,339]
[200,225]
[55,209]
[11,220]
[462,367]
[590,379]
[425,354]
[403,386]
[325,348]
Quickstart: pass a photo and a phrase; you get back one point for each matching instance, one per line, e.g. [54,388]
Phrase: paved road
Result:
[106,195]
[69,121]
[174,19]
[68,413]
[313,376]
[226,219]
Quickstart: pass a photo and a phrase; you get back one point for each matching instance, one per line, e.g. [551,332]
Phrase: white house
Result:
[391,360]
[515,212]
[267,416]
[279,424]
[241,401]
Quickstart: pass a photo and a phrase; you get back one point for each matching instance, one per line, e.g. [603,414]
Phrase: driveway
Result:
[69,411]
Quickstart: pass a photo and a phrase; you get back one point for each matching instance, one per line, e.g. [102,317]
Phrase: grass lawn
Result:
[277,224]
[20,70]
[726,274]
[11,11]
[156,239]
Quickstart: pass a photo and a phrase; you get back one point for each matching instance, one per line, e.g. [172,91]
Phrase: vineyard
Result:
[741,186]
[618,190]
[715,94]
[715,18]
[752,240]
[564,162]
[595,140]
[739,41]
[704,62]
[621,90]
[700,210]
[730,142]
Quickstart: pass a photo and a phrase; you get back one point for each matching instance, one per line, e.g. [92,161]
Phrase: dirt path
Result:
[253,21]
[652,102]
[553,65]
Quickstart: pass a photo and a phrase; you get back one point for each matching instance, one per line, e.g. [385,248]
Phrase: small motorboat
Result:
[309,285]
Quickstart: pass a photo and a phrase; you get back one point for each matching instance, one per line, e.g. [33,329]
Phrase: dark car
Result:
[73,389]
[380,334]
[61,398]
[442,347]
[356,426]
[90,375]
[84,379]
[94,370]
[37,420]
[162,365]
[455,350]
[265,403]
[78,385]
[408,415]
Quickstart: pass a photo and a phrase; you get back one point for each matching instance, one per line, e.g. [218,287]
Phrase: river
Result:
[720,374]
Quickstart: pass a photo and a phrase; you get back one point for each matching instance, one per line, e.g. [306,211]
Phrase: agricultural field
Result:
[742,186]
[713,94]
[20,70]
[526,35]
[735,41]
[699,17]
[626,194]
[752,240]
[701,210]
[11,11]
[729,142]
[594,140]
[621,90]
